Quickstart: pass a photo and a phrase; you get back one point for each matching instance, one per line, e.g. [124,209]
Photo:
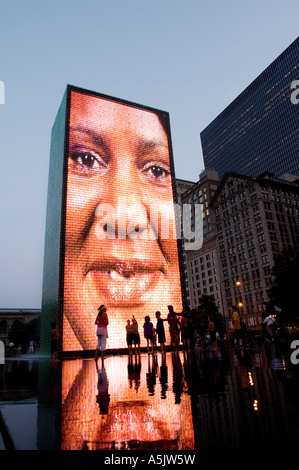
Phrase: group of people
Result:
[191,327]
[154,333]
[269,327]
[150,334]
[188,327]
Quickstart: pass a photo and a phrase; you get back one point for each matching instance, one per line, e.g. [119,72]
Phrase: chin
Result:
[81,310]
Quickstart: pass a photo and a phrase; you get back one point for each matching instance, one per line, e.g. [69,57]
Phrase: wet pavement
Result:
[228,399]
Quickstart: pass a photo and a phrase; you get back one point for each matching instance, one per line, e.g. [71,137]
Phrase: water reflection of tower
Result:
[134,417]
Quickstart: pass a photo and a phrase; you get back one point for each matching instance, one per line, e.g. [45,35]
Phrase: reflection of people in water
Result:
[151,375]
[119,190]
[134,370]
[103,398]
[134,417]
[163,380]
[178,377]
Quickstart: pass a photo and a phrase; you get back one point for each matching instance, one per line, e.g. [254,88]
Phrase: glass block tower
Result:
[111,233]
[258,131]
[51,296]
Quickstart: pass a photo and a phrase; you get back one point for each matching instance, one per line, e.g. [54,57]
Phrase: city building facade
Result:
[258,131]
[255,219]
[201,264]
[182,186]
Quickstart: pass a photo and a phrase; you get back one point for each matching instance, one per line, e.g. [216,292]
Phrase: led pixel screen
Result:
[120,234]
[126,406]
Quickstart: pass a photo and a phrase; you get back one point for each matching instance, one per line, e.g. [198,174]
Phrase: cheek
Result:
[80,212]
[162,216]
[79,195]
[74,228]
[170,250]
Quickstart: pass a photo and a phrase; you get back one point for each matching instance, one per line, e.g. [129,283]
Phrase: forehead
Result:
[101,114]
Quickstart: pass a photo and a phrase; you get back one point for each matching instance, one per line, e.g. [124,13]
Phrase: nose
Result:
[125,214]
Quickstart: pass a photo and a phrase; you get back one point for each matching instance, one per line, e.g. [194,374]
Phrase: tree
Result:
[207,302]
[283,292]
[210,308]
[22,332]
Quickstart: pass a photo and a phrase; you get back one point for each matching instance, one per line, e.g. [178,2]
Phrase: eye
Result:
[87,162]
[157,173]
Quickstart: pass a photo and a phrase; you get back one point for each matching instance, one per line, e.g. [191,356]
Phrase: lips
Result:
[124,282]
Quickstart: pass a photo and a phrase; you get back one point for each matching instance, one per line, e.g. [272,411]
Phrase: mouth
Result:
[124,283]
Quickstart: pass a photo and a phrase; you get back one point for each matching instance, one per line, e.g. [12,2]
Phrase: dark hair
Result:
[171,311]
[163,118]
[100,309]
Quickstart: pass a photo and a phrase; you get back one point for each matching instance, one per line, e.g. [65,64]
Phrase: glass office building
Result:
[258,131]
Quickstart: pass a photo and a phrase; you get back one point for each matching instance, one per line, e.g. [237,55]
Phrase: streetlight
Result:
[239,284]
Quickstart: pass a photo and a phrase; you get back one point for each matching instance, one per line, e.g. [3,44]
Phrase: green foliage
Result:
[284,290]
[22,332]
[207,302]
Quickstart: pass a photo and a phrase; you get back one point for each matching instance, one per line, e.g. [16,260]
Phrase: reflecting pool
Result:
[142,403]
[226,399]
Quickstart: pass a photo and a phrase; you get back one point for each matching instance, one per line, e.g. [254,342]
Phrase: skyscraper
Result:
[258,131]
[201,264]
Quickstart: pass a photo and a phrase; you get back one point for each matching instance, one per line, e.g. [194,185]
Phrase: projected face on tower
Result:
[120,235]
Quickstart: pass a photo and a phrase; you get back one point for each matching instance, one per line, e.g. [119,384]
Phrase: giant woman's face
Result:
[120,242]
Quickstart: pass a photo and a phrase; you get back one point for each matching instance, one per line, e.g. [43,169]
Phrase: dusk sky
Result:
[189,58]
